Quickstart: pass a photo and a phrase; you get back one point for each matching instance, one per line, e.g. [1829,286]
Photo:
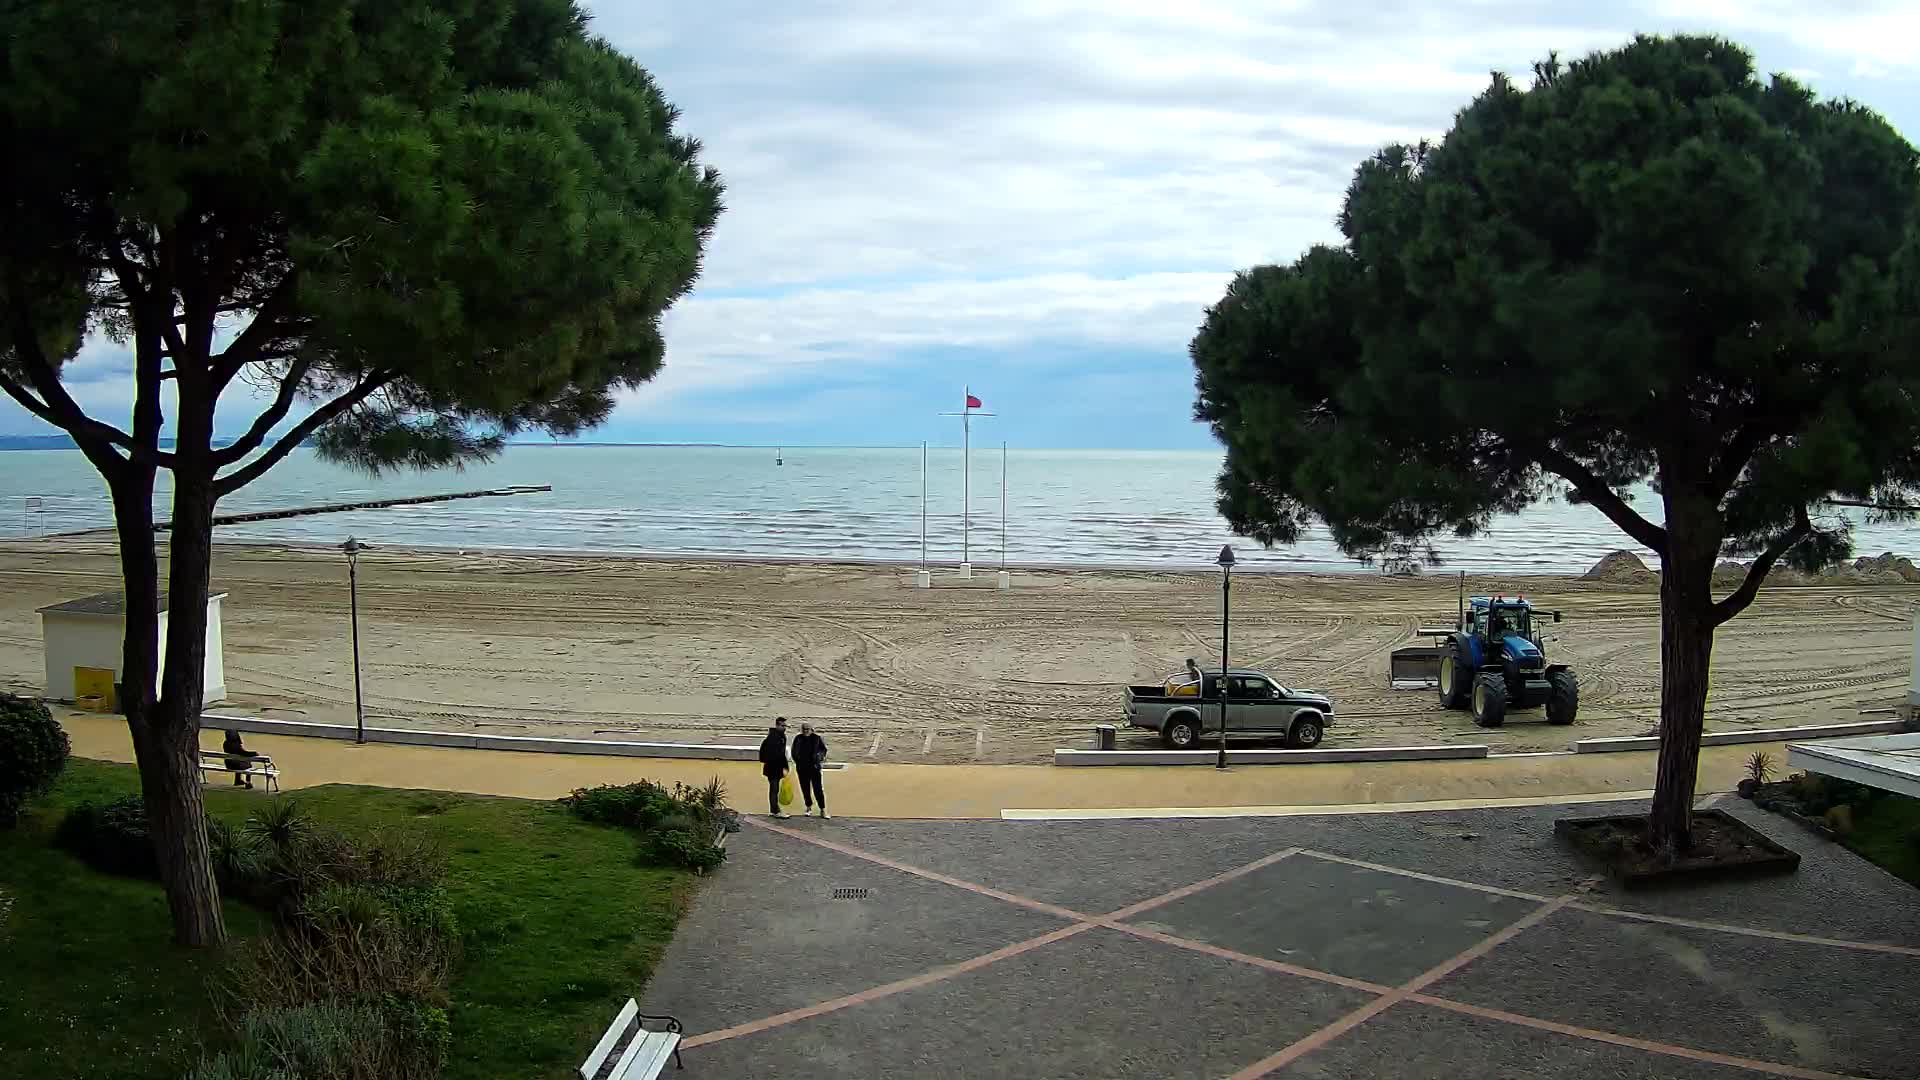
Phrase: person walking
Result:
[809,756]
[773,763]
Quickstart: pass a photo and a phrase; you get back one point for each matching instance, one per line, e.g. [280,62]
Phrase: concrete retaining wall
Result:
[1723,738]
[1265,757]
[468,741]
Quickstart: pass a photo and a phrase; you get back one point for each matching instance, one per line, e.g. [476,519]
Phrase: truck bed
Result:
[1157,693]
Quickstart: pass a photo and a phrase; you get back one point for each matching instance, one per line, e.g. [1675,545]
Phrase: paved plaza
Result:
[1451,944]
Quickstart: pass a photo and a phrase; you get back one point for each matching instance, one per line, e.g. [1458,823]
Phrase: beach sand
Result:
[606,647]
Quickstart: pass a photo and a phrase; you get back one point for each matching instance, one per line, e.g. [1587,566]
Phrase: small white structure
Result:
[86,635]
[1887,762]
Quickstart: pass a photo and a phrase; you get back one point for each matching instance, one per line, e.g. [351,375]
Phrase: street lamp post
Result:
[353,548]
[1226,606]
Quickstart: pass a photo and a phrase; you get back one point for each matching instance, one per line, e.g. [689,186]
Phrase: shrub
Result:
[346,941]
[370,1039]
[642,805]
[33,751]
[280,824]
[691,848]
[113,838]
[1760,767]
[676,827]
[634,806]
[237,864]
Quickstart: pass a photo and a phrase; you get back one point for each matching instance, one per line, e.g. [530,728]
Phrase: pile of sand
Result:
[1885,568]
[1621,568]
[1625,568]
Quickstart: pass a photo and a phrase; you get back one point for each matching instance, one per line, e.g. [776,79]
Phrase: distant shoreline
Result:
[982,571]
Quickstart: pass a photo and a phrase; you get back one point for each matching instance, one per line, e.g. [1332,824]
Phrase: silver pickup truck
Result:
[1256,705]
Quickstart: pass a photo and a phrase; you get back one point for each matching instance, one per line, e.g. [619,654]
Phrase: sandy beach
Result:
[625,648]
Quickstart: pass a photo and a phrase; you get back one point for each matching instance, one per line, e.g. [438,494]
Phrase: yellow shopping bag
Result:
[786,790]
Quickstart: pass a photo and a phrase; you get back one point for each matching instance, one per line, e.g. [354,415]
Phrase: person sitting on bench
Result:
[239,759]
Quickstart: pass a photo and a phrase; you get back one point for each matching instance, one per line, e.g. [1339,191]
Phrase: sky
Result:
[1037,199]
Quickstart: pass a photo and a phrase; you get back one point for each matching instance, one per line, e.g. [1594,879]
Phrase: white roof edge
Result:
[1875,761]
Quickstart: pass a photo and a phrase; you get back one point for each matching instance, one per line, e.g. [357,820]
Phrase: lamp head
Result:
[1226,557]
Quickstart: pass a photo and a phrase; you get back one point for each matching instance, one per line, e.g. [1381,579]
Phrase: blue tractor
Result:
[1492,662]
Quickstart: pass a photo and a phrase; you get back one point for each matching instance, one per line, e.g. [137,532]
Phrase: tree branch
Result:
[314,421]
[1735,456]
[1737,601]
[54,405]
[263,424]
[252,342]
[1604,498]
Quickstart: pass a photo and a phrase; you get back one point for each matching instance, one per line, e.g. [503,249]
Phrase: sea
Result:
[1059,508]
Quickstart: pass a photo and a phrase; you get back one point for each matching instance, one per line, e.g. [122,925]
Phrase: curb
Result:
[1064,757]
[1725,738]
[462,741]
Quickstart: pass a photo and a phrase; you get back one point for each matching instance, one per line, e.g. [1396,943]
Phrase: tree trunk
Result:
[178,812]
[164,747]
[1686,649]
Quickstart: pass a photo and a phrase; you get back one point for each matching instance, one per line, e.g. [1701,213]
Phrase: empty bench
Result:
[257,765]
[629,1051]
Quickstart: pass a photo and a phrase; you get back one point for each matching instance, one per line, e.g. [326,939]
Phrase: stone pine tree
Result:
[1648,266]
[399,229]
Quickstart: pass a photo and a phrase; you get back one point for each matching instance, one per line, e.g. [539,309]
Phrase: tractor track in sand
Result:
[609,647]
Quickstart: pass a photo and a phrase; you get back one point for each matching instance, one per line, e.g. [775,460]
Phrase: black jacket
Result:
[809,752]
[773,754]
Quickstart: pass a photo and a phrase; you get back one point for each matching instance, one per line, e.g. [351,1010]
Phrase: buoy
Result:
[779,457]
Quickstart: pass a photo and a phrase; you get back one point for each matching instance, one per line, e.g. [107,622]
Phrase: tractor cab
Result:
[1499,628]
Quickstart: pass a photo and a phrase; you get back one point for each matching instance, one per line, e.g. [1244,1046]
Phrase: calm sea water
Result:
[1073,507]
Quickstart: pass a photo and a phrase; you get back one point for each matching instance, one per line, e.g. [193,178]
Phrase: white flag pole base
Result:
[923,579]
[966,571]
[1006,580]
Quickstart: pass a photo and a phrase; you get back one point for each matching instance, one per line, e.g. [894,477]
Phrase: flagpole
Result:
[1003,506]
[966,484]
[923,578]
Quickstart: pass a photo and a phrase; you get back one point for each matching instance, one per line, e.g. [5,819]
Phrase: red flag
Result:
[972,402]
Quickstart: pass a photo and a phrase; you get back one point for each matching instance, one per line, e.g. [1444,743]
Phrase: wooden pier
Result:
[376,504]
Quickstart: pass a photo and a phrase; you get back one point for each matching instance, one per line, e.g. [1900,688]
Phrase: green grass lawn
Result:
[561,928]
[1885,833]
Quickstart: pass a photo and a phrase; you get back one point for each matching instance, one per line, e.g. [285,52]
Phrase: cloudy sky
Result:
[1037,199]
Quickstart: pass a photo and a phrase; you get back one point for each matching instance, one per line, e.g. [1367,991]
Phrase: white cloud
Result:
[1878,35]
[721,342]
[1014,171]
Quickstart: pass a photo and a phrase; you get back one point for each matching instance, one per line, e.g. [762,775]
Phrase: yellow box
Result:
[93,689]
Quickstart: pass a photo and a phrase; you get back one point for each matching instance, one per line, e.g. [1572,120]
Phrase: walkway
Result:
[1439,945]
[966,791]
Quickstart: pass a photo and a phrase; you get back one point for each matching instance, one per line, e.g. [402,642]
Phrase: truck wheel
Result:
[1489,699]
[1563,697]
[1453,688]
[1305,734]
[1181,734]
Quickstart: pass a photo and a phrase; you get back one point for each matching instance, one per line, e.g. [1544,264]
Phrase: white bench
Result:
[257,765]
[628,1051]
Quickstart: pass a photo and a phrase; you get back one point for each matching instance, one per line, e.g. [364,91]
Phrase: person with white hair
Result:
[809,755]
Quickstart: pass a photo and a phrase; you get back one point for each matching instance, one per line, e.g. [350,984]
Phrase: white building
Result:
[81,638]
[1888,762]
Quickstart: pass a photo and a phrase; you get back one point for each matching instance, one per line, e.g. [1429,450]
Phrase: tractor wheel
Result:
[1181,733]
[1563,700]
[1453,686]
[1489,699]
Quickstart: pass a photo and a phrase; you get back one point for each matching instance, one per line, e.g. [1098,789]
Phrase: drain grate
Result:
[852,894]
